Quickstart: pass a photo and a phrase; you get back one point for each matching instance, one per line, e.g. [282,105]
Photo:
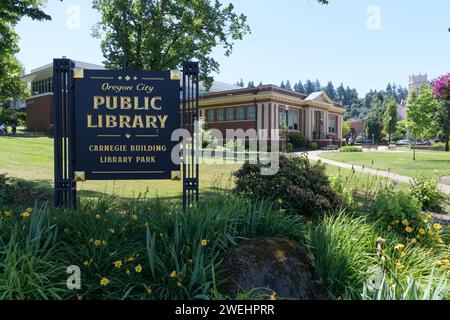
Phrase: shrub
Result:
[398,210]
[425,190]
[299,141]
[299,186]
[313,146]
[359,140]
[290,147]
[351,149]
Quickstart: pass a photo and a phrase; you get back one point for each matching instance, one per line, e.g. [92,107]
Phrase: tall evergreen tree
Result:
[300,87]
[309,87]
[250,84]
[331,92]
[282,85]
[317,85]
[288,85]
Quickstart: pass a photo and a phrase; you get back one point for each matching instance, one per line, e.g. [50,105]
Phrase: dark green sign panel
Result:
[123,124]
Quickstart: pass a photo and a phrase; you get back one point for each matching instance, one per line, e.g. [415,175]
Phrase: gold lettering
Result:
[111,121]
[98,101]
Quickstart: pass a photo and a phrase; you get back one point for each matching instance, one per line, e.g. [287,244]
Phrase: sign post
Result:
[117,125]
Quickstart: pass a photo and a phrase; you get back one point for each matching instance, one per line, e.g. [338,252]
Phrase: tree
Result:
[11,12]
[240,83]
[420,114]
[329,89]
[346,129]
[317,85]
[300,88]
[282,85]
[250,84]
[288,85]
[309,87]
[161,34]
[390,118]
[441,90]
[374,123]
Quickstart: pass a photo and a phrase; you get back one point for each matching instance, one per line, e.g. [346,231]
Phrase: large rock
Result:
[278,264]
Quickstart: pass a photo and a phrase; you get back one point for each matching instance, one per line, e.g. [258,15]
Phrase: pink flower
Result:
[441,87]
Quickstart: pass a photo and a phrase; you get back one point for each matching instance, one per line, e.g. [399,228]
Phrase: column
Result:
[308,123]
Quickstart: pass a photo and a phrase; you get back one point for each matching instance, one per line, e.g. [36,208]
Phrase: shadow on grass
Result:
[30,191]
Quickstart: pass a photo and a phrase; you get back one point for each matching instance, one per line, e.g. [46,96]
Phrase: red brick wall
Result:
[40,114]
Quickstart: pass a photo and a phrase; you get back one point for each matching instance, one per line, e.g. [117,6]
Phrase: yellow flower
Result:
[414,240]
[29,210]
[437,226]
[421,231]
[173,274]
[446,262]
[118,263]
[440,240]
[403,254]
[149,291]
[204,243]
[112,231]
[98,243]
[397,222]
[399,266]
[25,214]
[131,259]
[179,284]
[7,213]
[104,282]
[409,229]
[430,232]
[134,217]
[438,263]
[273,296]
[127,271]
[399,247]
[405,222]
[138,268]
[429,216]
[97,216]
[87,263]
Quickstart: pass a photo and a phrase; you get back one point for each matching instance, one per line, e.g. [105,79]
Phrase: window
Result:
[332,124]
[293,120]
[210,116]
[220,114]
[42,86]
[230,114]
[241,113]
[251,113]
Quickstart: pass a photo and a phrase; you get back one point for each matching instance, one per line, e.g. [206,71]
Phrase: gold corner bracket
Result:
[176,175]
[78,73]
[175,75]
[79,176]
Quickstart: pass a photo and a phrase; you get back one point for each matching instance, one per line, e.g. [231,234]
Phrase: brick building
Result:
[223,106]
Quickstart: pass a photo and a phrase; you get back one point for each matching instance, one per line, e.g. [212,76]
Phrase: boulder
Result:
[278,264]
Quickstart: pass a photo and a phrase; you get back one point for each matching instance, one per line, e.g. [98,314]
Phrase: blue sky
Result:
[362,43]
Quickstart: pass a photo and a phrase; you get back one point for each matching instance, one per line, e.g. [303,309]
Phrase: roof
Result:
[219,86]
[47,70]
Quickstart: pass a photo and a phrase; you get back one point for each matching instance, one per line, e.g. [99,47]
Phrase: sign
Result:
[123,122]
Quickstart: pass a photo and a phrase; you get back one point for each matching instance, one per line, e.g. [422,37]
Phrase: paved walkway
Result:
[314,155]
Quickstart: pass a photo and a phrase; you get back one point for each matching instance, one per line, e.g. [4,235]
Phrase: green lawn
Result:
[427,162]
[31,159]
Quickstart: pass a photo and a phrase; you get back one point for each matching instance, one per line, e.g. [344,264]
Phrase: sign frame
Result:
[66,177]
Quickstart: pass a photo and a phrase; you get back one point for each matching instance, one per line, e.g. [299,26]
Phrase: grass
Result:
[428,163]
[31,159]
